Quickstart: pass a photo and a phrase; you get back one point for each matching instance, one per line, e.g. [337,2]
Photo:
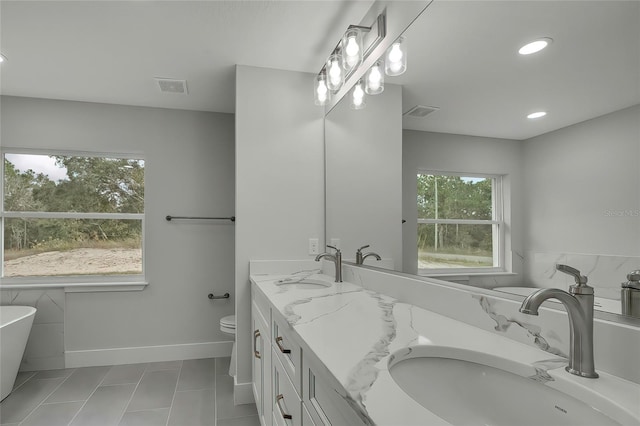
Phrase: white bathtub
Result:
[599,303]
[15,325]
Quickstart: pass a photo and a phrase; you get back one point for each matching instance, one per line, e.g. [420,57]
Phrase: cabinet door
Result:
[306,417]
[325,406]
[286,404]
[261,370]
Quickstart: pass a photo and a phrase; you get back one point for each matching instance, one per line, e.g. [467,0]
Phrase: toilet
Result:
[228,326]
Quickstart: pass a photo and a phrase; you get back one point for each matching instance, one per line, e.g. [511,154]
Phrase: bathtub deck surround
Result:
[15,326]
[355,359]
[180,393]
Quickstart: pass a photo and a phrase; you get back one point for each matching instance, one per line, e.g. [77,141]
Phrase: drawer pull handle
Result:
[256,353]
[282,348]
[284,415]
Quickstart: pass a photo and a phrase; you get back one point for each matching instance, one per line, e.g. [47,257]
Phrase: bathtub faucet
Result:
[578,303]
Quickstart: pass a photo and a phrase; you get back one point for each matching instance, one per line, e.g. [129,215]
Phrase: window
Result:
[460,224]
[72,215]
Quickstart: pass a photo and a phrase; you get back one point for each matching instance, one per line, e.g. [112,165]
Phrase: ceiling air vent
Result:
[420,111]
[169,85]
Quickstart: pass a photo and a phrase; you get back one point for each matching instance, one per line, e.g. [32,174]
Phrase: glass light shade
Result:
[396,58]
[357,96]
[321,92]
[351,49]
[335,73]
[374,80]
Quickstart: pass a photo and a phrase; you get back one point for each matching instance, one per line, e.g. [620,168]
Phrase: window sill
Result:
[466,275]
[80,287]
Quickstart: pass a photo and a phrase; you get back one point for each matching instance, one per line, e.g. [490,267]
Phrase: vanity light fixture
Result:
[374,79]
[354,46]
[357,96]
[535,46]
[396,58]
[2,58]
[538,114]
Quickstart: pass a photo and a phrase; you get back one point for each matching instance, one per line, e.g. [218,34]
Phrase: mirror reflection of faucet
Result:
[337,260]
[360,257]
[630,295]
[578,303]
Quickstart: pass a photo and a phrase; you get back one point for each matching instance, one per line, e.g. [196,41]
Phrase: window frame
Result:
[72,283]
[497,222]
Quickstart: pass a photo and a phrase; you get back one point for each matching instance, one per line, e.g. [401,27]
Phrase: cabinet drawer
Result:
[286,404]
[286,349]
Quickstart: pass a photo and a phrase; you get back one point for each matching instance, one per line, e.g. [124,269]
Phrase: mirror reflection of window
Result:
[459,222]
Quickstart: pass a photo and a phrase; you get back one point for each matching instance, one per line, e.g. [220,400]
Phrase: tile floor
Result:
[176,393]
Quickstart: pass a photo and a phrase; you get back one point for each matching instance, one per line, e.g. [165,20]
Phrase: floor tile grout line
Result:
[43,399]
[132,394]
[175,390]
[89,397]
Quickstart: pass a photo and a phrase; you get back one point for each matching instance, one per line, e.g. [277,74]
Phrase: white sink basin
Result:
[466,387]
[304,283]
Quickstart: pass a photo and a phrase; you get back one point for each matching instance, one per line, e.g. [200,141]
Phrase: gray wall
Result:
[279,183]
[582,202]
[364,176]
[576,178]
[189,171]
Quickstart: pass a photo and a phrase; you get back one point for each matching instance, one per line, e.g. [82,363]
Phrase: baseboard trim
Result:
[242,393]
[134,355]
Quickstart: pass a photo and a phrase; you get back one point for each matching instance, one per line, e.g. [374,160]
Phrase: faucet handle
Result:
[335,248]
[364,247]
[581,280]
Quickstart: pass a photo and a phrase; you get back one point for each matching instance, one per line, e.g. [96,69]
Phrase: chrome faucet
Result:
[336,258]
[578,303]
[361,257]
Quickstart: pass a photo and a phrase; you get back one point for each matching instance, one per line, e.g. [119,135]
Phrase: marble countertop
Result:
[354,333]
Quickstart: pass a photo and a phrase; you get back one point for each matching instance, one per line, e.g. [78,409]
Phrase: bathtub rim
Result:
[27,311]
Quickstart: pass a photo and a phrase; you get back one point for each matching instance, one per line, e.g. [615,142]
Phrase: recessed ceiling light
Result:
[536,114]
[535,46]
[2,58]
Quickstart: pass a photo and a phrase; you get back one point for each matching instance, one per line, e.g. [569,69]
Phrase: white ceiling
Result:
[110,51]
[462,55]
[463,58]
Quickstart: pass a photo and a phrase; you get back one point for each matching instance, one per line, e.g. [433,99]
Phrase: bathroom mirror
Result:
[568,181]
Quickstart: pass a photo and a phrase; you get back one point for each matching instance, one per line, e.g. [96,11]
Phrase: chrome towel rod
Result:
[169,218]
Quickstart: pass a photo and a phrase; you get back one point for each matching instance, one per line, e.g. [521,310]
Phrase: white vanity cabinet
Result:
[286,382]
